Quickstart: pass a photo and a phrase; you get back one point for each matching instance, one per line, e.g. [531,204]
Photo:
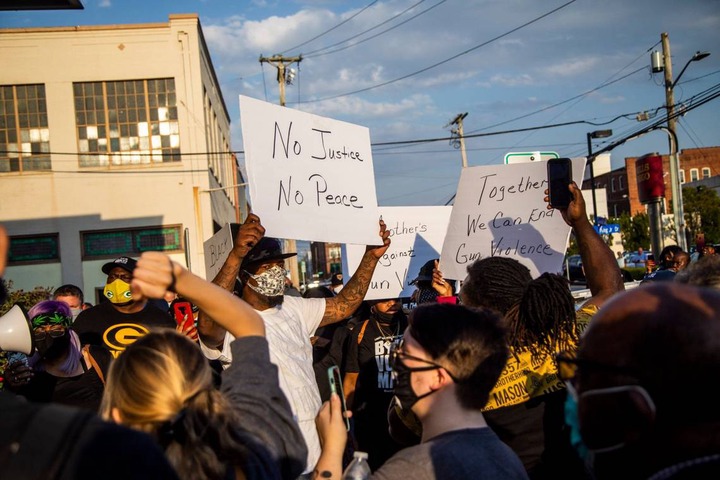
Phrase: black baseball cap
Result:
[125,263]
[426,272]
[267,249]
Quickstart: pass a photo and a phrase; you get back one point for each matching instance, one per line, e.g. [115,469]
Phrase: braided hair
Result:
[539,313]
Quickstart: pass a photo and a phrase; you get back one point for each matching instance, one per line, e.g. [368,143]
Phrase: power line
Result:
[333,28]
[465,52]
[316,54]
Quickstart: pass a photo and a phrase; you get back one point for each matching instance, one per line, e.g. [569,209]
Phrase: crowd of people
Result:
[498,375]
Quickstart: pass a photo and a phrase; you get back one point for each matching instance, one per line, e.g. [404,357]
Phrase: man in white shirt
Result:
[257,262]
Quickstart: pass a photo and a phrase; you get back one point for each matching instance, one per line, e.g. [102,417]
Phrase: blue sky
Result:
[511,64]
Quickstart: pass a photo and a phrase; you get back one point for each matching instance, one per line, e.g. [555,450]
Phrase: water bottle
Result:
[359,469]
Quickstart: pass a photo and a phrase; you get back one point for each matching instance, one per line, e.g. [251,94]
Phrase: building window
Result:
[28,249]
[693,174]
[127,122]
[130,242]
[621,183]
[612,184]
[682,176]
[706,172]
[24,133]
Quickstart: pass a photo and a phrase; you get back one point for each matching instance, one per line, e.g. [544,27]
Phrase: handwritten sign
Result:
[217,248]
[499,211]
[416,235]
[311,178]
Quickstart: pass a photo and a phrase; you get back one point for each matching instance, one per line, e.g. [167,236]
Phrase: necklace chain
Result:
[388,333]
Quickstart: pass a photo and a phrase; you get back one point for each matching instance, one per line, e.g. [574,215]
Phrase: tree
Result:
[25,299]
[635,231]
[702,213]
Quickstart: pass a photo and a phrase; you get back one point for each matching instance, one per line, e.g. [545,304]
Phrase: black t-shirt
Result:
[104,325]
[82,391]
[370,359]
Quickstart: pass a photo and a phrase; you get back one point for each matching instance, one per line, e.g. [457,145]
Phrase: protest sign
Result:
[416,236]
[216,249]
[499,211]
[310,177]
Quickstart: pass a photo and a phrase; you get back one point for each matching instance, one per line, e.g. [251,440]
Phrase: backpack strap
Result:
[362,331]
[93,362]
[46,444]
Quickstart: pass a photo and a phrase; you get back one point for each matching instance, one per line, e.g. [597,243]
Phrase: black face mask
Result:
[387,317]
[50,348]
[405,396]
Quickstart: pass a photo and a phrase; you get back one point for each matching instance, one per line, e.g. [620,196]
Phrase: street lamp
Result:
[591,160]
[676,188]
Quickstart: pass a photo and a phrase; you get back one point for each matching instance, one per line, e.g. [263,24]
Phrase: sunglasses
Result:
[397,355]
[55,331]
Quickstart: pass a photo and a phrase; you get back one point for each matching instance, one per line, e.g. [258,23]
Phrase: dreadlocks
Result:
[540,313]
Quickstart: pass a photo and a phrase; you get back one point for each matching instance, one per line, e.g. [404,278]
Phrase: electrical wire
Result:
[465,52]
[331,29]
[314,54]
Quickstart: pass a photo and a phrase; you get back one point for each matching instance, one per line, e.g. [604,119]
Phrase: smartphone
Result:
[559,173]
[335,380]
[184,314]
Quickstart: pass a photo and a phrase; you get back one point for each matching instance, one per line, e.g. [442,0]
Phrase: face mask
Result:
[75,312]
[426,295]
[572,419]
[386,317]
[118,292]
[270,283]
[405,396]
[50,348]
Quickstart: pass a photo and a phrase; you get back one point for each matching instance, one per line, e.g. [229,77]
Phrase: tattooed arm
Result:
[250,232]
[352,294]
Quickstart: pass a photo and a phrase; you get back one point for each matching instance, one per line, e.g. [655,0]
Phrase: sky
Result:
[406,68]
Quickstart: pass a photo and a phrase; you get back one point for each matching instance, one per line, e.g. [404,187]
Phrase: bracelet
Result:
[171,287]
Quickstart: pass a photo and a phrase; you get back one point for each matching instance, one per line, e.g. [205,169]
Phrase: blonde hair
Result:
[162,385]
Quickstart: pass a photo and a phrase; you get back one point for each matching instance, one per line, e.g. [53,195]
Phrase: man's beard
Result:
[275,301]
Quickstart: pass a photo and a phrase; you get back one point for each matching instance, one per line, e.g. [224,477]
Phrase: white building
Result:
[113,140]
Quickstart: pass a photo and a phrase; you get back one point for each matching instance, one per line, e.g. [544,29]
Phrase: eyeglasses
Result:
[568,366]
[396,355]
[55,331]
[125,277]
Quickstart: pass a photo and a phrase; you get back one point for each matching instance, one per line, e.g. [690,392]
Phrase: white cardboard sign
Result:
[216,249]
[500,211]
[416,236]
[310,177]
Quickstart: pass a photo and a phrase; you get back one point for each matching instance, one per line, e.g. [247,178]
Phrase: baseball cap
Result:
[426,272]
[125,263]
[266,249]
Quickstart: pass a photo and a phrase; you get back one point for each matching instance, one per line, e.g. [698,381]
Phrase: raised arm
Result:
[155,274]
[251,231]
[353,293]
[601,269]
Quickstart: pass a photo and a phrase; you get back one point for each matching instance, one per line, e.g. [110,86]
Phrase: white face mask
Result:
[270,283]
[75,312]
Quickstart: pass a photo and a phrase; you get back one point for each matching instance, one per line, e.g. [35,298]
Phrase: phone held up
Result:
[559,173]
[336,387]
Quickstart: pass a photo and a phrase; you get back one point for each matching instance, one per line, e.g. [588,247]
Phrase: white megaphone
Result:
[15,332]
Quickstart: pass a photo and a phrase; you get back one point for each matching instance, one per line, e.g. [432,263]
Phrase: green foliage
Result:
[635,231]
[702,213]
[637,272]
[25,299]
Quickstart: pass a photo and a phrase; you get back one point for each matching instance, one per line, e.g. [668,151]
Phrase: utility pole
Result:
[458,120]
[280,62]
[677,201]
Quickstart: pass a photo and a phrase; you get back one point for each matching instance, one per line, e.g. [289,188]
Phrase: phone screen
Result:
[559,172]
[335,380]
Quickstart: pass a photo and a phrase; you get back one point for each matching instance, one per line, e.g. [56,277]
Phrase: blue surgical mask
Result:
[572,419]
